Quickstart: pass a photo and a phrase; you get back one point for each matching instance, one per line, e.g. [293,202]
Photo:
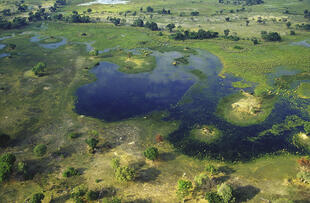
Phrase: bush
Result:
[201,180]
[184,188]
[271,36]
[39,69]
[151,153]
[79,191]
[8,158]
[213,197]
[225,192]
[125,173]
[69,172]
[92,142]
[211,169]
[37,198]
[304,176]
[138,23]
[6,165]
[92,195]
[115,163]
[73,135]
[94,52]
[40,150]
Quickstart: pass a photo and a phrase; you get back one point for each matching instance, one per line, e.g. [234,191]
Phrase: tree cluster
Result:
[201,34]
[271,36]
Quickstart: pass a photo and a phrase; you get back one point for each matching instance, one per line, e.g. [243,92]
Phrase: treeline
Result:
[242,2]
[201,34]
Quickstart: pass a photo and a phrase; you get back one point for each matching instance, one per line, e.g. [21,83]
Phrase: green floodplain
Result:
[212,101]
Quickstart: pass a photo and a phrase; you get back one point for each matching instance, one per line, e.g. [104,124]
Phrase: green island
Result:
[154,101]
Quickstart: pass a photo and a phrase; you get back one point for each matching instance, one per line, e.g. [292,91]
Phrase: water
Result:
[4,55]
[55,45]
[116,95]
[2,46]
[192,100]
[302,43]
[104,2]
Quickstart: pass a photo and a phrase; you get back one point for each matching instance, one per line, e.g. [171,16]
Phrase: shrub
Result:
[79,191]
[151,153]
[73,135]
[92,142]
[115,163]
[125,173]
[271,36]
[184,188]
[225,191]
[211,169]
[304,176]
[138,23]
[92,195]
[39,69]
[69,172]
[8,158]
[201,180]
[37,198]
[213,197]
[94,52]
[40,150]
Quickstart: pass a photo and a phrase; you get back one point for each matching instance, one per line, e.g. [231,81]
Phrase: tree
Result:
[254,40]
[92,195]
[89,10]
[288,24]
[247,22]
[170,27]
[37,198]
[138,23]
[151,153]
[225,191]
[70,171]
[226,32]
[40,150]
[227,19]
[39,69]
[271,36]
[153,26]
[184,188]
[149,9]
[195,13]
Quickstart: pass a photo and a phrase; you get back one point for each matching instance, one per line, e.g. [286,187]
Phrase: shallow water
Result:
[104,2]
[4,55]
[37,38]
[193,101]
[302,43]
[2,46]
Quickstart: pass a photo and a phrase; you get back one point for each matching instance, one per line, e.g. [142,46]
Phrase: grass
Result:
[233,115]
[38,110]
[303,90]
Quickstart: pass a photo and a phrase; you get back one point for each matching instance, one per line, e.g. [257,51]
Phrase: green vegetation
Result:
[37,109]
[6,166]
[69,172]
[37,198]
[151,153]
[40,150]
[39,69]
[184,188]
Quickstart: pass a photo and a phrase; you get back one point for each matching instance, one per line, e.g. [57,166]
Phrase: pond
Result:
[2,46]
[304,43]
[188,97]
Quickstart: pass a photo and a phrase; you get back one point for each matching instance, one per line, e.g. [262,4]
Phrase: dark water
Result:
[193,101]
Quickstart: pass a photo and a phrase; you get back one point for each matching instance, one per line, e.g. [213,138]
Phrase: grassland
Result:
[41,109]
